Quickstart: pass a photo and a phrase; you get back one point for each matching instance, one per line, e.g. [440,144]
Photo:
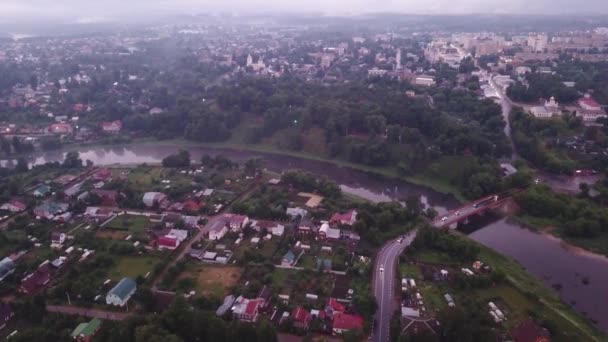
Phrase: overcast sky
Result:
[92,10]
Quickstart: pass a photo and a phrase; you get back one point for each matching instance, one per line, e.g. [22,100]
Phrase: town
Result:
[208,180]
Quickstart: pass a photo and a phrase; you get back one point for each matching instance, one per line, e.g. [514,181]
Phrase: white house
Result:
[218,231]
[278,230]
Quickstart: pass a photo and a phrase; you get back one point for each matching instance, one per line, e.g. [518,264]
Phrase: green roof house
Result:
[119,295]
[84,332]
[42,190]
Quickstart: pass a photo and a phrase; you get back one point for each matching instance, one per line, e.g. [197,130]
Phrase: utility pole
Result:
[69,301]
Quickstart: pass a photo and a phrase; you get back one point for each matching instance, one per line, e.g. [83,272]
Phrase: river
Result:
[543,256]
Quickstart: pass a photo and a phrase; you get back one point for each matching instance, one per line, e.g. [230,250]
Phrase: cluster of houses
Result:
[334,314]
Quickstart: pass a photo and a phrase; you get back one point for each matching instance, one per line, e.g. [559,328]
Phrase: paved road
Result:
[464,211]
[88,312]
[384,285]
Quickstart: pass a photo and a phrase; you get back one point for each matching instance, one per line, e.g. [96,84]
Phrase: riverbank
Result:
[435,184]
[597,246]
[556,311]
[420,180]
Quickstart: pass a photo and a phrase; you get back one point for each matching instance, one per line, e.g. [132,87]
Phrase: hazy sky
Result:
[91,10]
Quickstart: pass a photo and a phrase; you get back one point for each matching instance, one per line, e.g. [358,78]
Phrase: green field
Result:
[132,266]
[131,223]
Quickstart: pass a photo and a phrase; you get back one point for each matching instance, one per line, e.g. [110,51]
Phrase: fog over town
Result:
[291,171]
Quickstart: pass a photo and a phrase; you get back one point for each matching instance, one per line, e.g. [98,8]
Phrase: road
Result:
[464,211]
[384,284]
[88,312]
[506,106]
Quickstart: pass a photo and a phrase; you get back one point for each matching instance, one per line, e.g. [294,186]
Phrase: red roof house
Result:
[334,307]
[34,282]
[301,317]
[529,331]
[348,218]
[237,222]
[345,322]
[588,103]
[167,242]
[112,126]
[191,206]
[14,206]
[102,175]
[78,107]
[60,128]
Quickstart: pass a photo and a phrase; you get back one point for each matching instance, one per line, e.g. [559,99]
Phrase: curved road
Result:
[384,284]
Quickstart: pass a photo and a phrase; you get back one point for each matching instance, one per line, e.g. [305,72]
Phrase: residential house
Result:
[120,294]
[57,238]
[246,310]
[6,313]
[180,234]
[34,282]
[41,190]
[345,322]
[334,307]
[60,128]
[589,104]
[288,259]
[50,209]
[590,110]
[168,242]
[96,213]
[306,227]
[85,332]
[14,206]
[218,229]
[102,175]
[151,199]
[328,233]
[237,222]
[72,191]
[7,267]
[268,226]
[348,218]
[300,317]
[226,305]
[265,297]
[112,127]
[294,213]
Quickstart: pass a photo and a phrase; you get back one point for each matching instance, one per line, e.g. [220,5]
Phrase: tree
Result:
[72,160]
[266,332]
[22,165]
[181,159]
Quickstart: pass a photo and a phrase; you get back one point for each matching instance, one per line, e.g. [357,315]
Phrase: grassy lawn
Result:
[432,295]
[433,257]
[307,261]
[213,280]
[131,223]
[279,278]
[132,266]
[408,270]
